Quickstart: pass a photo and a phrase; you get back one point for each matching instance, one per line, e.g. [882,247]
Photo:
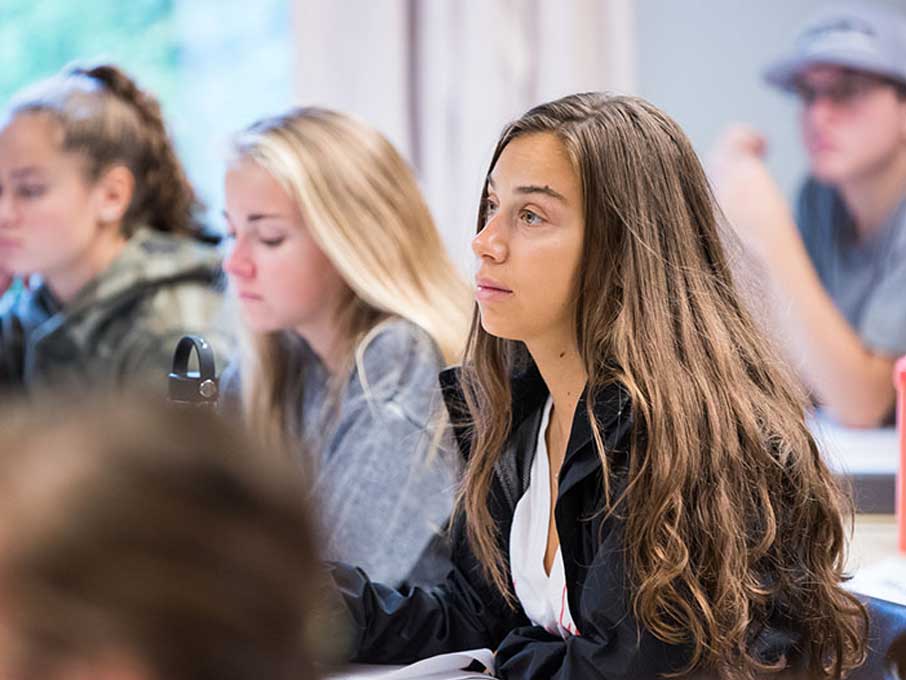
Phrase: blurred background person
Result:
[94,200]
[351,307]
[836,267]
[138,542]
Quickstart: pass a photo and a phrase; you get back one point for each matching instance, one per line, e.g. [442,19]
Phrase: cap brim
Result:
[784,73]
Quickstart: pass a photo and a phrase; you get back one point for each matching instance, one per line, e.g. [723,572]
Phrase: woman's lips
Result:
[487,290]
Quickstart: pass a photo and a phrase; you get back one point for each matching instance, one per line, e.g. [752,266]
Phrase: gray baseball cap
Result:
[860,36]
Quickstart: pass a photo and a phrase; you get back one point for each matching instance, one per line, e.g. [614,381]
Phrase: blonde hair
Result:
[362,206]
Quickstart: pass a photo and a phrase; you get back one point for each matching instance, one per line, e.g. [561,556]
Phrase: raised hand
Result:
[750,198]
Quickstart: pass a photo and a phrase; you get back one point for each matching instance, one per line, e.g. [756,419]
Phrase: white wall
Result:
[442,77]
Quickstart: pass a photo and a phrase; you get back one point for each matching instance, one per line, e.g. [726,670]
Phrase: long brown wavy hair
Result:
[728,505]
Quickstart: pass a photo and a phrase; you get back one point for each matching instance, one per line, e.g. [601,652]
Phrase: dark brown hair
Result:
[729,508]
[159,533]
[109,120]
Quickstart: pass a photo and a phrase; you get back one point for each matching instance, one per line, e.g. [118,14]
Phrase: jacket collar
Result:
[529,393]
[149,259]
[527,388]
[612,412]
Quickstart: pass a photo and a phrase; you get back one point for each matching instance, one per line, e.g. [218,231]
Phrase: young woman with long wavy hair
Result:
[641,494]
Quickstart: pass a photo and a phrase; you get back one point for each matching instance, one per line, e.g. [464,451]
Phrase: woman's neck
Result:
[564,373]
[68,280]
[330,345]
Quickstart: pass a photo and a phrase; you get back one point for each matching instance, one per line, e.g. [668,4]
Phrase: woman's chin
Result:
[258,323]
[499,328]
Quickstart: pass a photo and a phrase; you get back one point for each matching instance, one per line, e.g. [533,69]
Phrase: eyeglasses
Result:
[843,91]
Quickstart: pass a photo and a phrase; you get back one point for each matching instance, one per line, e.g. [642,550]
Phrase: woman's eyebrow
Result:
[535,189]
[257,217]
[546,190]
[19,173]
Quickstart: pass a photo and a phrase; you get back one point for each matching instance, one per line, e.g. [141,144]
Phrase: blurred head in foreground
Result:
[138,542]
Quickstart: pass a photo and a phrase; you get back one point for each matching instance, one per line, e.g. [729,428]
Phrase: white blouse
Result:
[542,595]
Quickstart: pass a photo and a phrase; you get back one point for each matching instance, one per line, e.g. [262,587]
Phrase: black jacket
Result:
[467,611]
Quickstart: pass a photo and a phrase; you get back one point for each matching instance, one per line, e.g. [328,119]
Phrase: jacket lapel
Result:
[581,460]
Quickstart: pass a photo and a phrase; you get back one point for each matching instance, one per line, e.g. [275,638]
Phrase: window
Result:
[215,65]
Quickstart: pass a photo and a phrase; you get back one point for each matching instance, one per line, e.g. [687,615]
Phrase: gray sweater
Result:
[383,495]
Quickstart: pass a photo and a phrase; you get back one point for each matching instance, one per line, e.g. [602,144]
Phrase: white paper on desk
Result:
[856,451]
[885,580]
[440,667]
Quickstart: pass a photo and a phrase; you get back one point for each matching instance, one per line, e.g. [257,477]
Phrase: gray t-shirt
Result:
[865,278]
[383,495]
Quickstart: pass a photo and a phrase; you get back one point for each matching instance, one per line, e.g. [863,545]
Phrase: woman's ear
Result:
[114,190]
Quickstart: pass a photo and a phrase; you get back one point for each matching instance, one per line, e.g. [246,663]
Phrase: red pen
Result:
[899,376]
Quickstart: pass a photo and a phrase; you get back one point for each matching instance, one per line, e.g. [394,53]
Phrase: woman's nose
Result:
[238,262]
[490,242]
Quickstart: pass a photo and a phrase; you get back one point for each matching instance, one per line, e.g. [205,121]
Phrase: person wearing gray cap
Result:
[837,268]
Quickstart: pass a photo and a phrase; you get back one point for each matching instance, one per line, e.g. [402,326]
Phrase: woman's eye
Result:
[31,190]
[272,242]
[490,209]
[531,218]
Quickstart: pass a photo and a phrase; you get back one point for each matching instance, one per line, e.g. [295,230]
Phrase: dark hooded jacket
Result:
[468,612]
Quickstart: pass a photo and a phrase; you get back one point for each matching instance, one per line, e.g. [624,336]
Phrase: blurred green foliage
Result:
[214,65]
[39,38]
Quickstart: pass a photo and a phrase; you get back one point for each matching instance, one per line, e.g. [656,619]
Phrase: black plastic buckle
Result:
[199,388]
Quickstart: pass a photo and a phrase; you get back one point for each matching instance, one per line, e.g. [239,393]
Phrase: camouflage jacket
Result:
[122,328]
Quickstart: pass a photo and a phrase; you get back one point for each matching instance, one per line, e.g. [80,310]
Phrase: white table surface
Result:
[852,451]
